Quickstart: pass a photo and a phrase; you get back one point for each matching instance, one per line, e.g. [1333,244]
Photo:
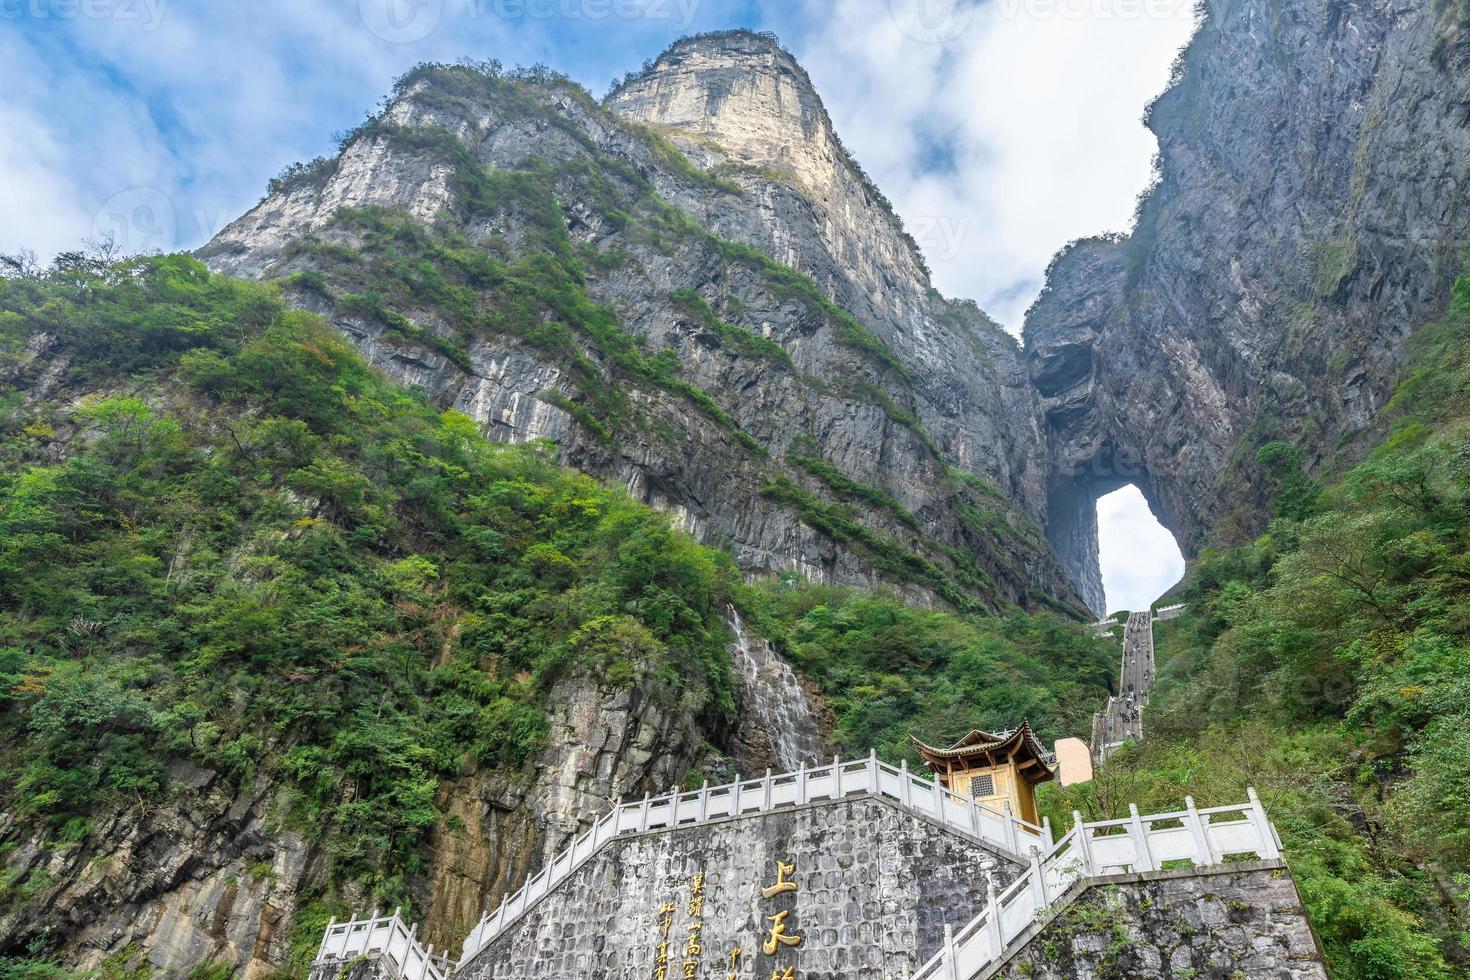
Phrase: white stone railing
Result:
[385,936]
[1164,613]
[1198,838]
[1001,830]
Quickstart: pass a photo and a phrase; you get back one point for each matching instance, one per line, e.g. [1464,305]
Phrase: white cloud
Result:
[1022,128]
[37,210]
[1140,560]
[1015,134]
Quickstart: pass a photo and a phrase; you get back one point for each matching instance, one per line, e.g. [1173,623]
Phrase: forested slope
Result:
[279,639]
[1328,664]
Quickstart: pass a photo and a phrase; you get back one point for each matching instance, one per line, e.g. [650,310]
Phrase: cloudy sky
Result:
[1000,130]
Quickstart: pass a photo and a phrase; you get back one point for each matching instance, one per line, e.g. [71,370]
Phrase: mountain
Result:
[281,639]
[1309,213]
[282,634]
[698,294]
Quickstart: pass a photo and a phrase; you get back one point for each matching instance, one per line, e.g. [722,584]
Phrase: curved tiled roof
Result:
[1020,741]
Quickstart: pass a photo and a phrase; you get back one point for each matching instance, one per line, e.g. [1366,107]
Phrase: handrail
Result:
[1199,839]
[998,828]
[388,936]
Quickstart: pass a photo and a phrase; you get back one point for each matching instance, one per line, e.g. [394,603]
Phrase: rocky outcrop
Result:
[205,878]
[208,875]
[849,383]
[603,744]
[1310,213]
[1217,924]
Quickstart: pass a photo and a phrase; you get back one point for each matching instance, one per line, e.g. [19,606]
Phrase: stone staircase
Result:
[1192,837]
[1136,844]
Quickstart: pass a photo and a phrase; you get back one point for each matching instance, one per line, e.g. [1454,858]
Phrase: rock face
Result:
[855,419]
[210,877]
[875,887]
[207,879]
[1243,922]
[1310,213]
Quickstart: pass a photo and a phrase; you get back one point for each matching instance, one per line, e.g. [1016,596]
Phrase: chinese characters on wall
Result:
[779,935]
[665,923]
[779,942]
[696,926]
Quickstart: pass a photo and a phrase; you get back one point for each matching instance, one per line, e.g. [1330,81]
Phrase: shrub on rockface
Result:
[1324,663]
[247,548]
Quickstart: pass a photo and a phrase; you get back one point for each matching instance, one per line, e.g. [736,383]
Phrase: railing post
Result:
[1084,843]
[704,802]
[766,791]
[1269,850]
[872,770]
[997,934]
[938,793]
[1206,855]
[424,970]
[951,968]
[735,796]
[500,913]
[1140,840]
[905,789]
[836,778]
[800,783]
[643,814]
[1046,834]
[974,816]
[1038,884]
[1013,841]
[321,950]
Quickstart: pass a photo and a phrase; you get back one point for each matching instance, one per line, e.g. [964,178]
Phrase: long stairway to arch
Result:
[1043,871]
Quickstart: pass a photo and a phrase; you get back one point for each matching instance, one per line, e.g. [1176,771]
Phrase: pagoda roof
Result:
[1019,744]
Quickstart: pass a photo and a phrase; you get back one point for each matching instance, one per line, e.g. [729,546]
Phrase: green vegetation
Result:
[887,669]
[674,159]
[1325,664]
[959,585]
[225,539]
[785,282]
[261,556]
[846,488]
[741,340]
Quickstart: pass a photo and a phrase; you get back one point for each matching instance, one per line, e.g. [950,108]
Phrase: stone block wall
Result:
[1242,922]
[875,886]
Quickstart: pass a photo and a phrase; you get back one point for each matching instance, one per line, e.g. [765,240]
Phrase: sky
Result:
[1000,129]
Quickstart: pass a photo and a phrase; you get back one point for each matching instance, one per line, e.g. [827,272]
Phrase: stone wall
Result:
[358,968]
[876,885]
[1243,921]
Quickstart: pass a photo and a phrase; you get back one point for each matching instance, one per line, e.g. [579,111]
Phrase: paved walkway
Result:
[1122,719]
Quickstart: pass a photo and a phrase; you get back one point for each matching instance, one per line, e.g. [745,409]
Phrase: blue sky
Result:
[1000,130]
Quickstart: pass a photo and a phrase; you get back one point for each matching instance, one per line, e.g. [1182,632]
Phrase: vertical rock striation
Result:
[711,209]
[1310,213]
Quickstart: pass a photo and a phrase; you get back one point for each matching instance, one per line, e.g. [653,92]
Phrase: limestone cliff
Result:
[820,408]
[1310,212]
